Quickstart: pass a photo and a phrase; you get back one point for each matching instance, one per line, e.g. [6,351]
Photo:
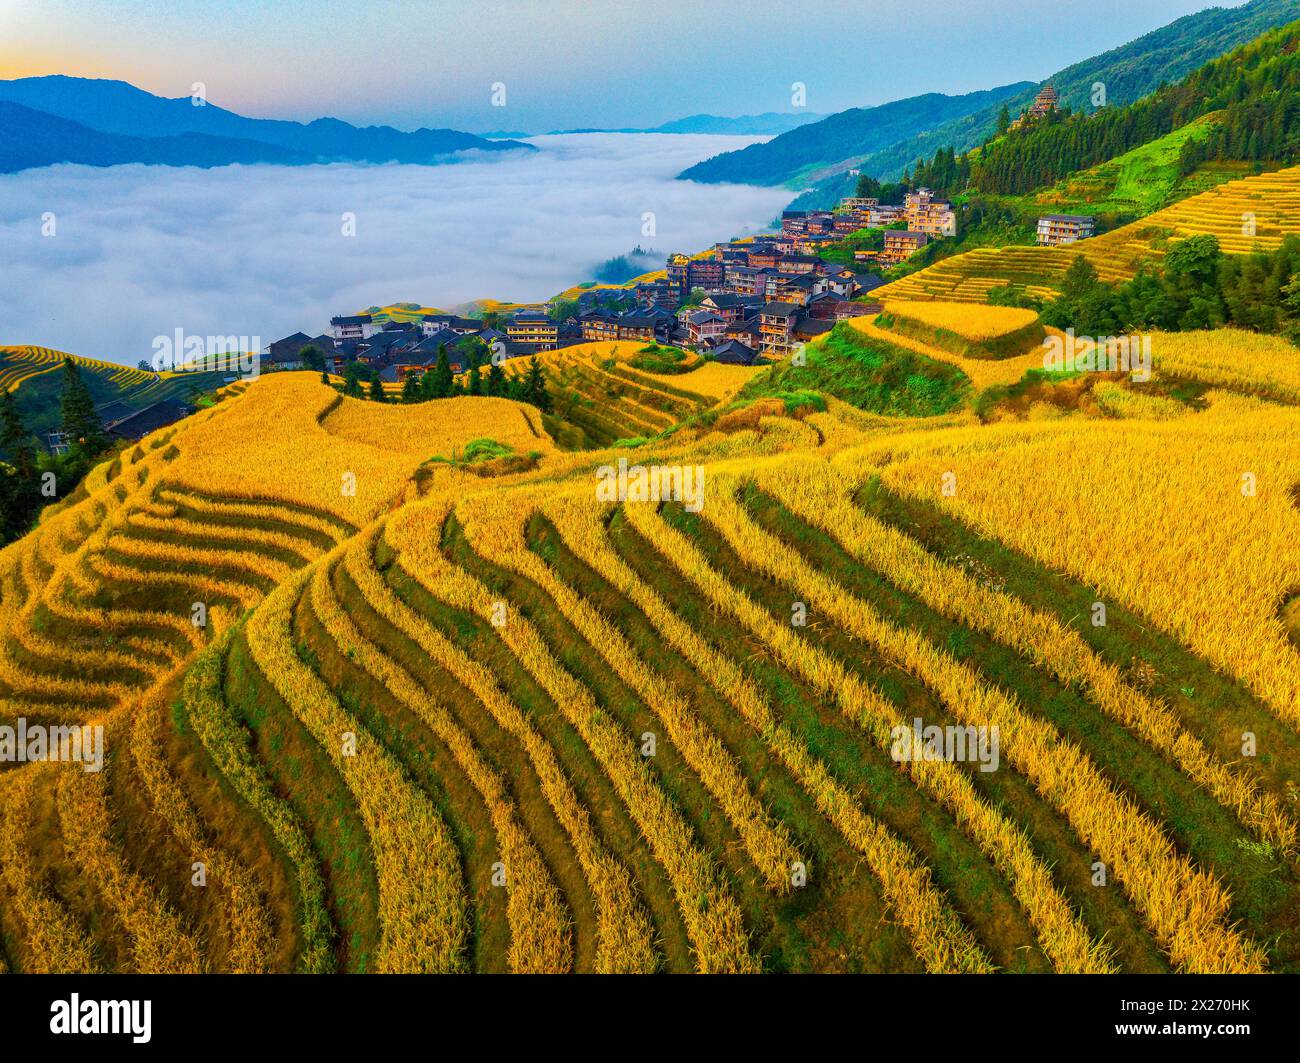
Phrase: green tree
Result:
[533,390]
[19,492]
[411,388]
[440,386]
[562,309]
[1196,258]
[1079,279]
[80,419]
[325,378]
[377,389]
[1004,120]
[694,299]
[474,382]
[352,380]
[312,357]
[496,381]
[867,187]
[473,351]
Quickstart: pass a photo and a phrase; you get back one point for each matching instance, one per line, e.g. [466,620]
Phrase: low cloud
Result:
[257,250]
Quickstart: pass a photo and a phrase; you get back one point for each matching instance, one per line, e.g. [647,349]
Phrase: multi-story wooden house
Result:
[1055,229]
[901,244]
[356,327]
[925,214]
[776,322]
[533,328]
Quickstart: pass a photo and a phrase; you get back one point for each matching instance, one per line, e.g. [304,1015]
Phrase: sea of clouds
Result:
[140,251]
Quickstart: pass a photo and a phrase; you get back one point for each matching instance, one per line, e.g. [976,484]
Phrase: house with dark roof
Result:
[704,327]
[809,328]
[114,411]
[606,327]
[1057,229]
[901,244]
[284,354]
[534,329]
[434,340]
[375,351]
[746,331]
[824,306]
[731,306]
[356,327]
[139,424]
[793,288]
[464,326]
[733,352]
[800,263]
[776,323]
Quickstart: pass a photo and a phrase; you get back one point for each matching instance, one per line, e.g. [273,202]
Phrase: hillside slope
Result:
[836,141]
[1128,72]
[34,375]
[1271,201]
[438,721]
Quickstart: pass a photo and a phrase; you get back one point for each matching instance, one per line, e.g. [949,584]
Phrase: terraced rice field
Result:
[458,723]
[595,391]
[136,387]
[1244,214]
[21,363]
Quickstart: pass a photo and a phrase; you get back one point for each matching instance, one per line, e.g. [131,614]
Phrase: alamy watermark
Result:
[179,353]
[655,483]
[77,1016]
[1069,353]
[26,743]
[955,743]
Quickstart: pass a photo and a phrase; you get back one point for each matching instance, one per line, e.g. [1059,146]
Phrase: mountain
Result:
[836,141]
[769,123]
[119,109]
[31,138]
[1129,72]
[1255,89]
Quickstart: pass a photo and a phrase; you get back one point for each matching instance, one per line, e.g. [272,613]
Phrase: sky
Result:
[563,63]
[137,252]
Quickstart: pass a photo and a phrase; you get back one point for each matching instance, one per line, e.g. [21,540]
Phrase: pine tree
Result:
[474,384]
[352,380]
[534,386]
[19,494]
[325,378]
[496,381]
[80,419]
[377,390]
[410,388]
[1004,120]
[442,377]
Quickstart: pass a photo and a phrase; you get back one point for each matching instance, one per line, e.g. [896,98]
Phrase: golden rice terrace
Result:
[827,692]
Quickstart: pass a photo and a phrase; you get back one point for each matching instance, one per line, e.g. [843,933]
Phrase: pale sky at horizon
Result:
[564,63]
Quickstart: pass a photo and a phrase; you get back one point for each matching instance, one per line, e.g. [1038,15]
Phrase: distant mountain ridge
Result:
[840,138]
[769,123]
[152,124]
[31,138]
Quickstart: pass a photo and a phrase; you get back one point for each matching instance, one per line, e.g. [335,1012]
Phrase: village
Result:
[742,302]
